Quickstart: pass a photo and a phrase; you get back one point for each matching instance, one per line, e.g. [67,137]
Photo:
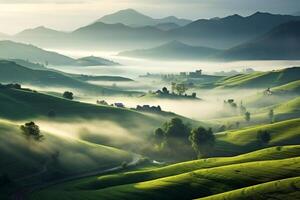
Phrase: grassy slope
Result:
[287,189]
[24,157]
[57,156]
[139,176]
[279,95]
[282,111]
[261,79]
[195,184]
[245,140]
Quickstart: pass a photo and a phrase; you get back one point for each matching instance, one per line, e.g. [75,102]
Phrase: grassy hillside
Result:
[281,189]
[11,72]
[261,79]
[279,94]
[194,184]
[26,161]
[272,153]
[246,140]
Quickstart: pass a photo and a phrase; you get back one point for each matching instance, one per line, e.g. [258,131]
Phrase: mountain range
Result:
[130,17]
[174,50]
[281,43]
[118,33]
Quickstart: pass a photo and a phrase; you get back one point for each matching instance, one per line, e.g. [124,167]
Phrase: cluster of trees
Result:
[176,139]
[32,131]
[68,95]
[176,89]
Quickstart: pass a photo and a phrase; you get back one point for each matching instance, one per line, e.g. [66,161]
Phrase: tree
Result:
[247,116]
[202,141]
[165,90]
[32,131]
[159,136]
[264,136]
[271,115]
[181,89]
[176,128]
[68,95]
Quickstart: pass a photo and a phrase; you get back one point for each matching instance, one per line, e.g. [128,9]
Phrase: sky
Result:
[67,15]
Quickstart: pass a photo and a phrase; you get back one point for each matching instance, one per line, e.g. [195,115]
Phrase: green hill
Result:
[194,184]
[281,189]
[278,95]
[246,140]
[272,153]
[261,79]
[10,72]
[58,156]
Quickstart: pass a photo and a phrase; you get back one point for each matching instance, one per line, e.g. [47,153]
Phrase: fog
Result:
[133,67]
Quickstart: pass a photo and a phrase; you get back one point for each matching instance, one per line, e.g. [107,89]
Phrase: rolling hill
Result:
[10,72]
[134,18]
[174,50]
[281,43]
[190,185]
[261,79]
[280,189]
[95,61]
[58,156]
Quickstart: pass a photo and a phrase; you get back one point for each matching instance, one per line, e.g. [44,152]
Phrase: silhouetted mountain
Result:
[13,50]
[281,43]
[28,53]
[173,50]
[131,17]
[118,35]
[167,26]
[229,31]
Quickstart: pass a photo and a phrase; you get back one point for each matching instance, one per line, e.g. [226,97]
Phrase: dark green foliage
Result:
[271,115]
[176,128]
[247,116]
[159,136]
[264,136]
[68,95]
[165,90]
[32,131]
[202,141]
[172,139]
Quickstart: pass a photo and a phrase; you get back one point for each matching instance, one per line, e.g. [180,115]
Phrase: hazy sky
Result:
[16,15]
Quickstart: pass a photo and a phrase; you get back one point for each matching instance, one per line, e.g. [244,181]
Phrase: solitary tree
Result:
[165,90]
[202,141]
[271,115]
[32,131]
[264,136]
[68,95]
[247,116]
